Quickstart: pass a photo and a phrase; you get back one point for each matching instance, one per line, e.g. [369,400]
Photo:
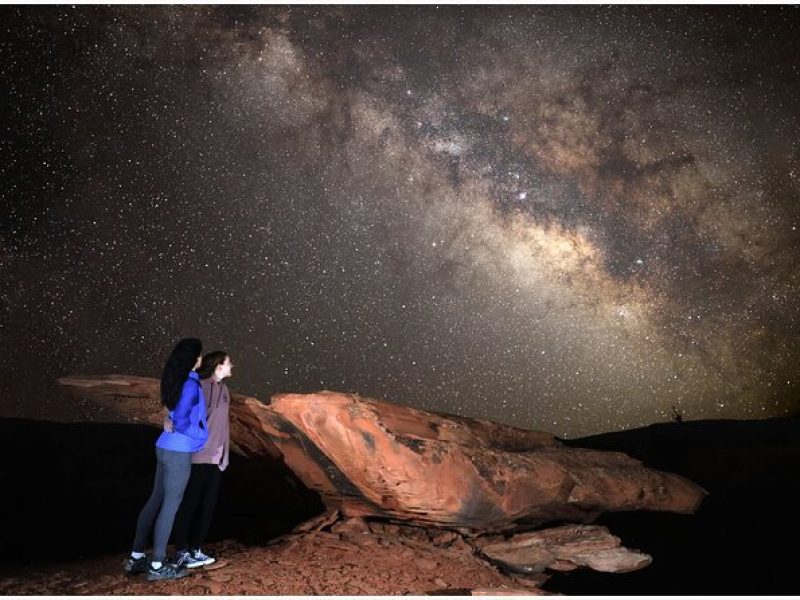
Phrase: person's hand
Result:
[168,424]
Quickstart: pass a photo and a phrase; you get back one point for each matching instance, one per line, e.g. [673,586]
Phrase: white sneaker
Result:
[185,560]
[200,559]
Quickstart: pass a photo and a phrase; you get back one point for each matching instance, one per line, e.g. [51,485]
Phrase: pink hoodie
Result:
[218,402]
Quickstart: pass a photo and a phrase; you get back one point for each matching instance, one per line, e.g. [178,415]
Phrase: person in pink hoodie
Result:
[199,500]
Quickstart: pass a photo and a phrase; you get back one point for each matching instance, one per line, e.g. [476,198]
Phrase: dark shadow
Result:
[741,540]
[75,490]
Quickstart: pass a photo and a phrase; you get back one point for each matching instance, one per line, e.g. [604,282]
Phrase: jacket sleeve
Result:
[181,415]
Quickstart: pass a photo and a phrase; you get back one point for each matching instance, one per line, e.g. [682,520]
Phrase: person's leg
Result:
[177,468]
[149,513]
[187,513]
[212,479]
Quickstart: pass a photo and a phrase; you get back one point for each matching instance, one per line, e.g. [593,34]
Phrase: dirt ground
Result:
[314,563]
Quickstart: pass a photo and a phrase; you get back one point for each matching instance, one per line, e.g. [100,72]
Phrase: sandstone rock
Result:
[354,525]
[507,592]
[198,590]
[390,529]
[369,458]
[444,538]
[427,564]
[373,458]
[564,549]
[318,523]
[460,545]
[534,580]
[213,588]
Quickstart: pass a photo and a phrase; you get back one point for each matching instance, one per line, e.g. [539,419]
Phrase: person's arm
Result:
[181,414]
[168,424]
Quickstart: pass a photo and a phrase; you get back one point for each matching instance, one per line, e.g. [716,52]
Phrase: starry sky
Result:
[563,218]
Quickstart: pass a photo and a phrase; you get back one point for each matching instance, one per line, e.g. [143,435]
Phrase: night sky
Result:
[569,219]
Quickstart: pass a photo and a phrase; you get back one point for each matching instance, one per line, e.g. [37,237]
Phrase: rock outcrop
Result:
[370,458]
[564,548]
[373,458]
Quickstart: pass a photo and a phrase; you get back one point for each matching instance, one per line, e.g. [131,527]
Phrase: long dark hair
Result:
[179,365]
[210,363]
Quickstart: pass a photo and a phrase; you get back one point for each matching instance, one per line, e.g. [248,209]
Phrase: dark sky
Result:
[568,219]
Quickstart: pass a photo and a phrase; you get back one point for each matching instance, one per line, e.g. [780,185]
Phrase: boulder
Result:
[564,548]
[374,458]
[371,458]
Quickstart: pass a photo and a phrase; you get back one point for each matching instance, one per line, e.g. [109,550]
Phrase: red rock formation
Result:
[565,549]
[373,458]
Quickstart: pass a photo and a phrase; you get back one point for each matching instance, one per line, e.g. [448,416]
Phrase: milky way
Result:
[570,219]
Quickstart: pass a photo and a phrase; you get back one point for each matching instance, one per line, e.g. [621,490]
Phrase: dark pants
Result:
[172,473]
[197,509]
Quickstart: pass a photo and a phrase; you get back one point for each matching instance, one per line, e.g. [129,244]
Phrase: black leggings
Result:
[197,509]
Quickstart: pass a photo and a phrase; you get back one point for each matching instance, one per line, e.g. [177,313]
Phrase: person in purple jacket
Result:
[182,395]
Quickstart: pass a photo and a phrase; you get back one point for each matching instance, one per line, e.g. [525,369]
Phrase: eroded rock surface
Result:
[373,458]
[370,458]
[565,549]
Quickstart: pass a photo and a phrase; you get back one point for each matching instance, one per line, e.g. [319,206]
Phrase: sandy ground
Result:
[315,563]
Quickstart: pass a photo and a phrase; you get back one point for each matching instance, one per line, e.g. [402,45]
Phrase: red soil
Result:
[315,563]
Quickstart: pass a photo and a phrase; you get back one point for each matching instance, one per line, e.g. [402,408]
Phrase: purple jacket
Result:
[218,402]
[190,429]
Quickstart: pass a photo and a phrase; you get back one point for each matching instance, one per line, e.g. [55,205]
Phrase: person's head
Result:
[185,357]
[217,364]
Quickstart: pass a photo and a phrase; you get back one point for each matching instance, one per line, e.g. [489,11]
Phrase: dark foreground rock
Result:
[743,538]
[86,482]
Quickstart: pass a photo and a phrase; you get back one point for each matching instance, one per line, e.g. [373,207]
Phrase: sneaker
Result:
[166,571]
[134,566]
[201,558]
[187,560]
[184,559]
